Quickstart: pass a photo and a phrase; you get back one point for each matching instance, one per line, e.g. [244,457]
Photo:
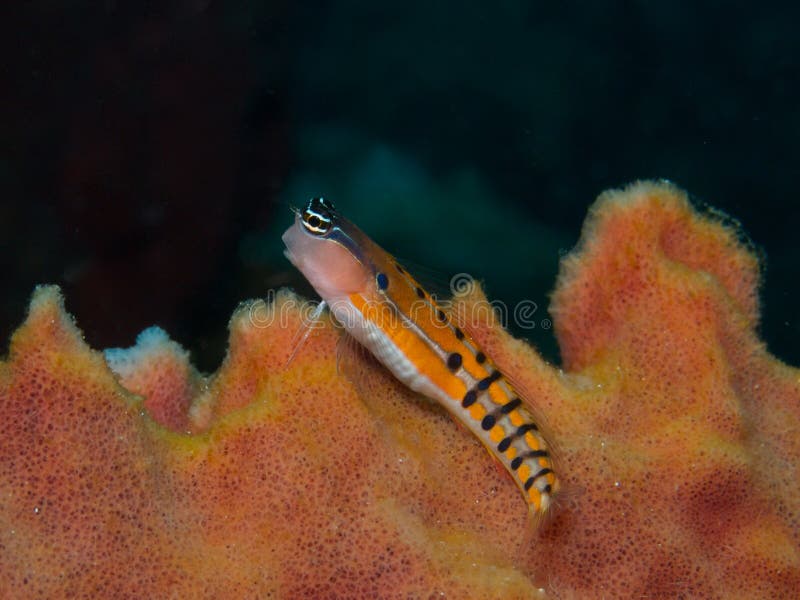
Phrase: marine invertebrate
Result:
[679,428]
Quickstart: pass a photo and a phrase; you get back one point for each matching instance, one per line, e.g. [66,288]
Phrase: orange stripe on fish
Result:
[385,309]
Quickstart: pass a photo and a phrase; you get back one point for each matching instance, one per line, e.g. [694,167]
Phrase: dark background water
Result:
[149,150]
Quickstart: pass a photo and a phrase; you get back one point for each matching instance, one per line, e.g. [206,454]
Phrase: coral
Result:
[158,369]
[678,438]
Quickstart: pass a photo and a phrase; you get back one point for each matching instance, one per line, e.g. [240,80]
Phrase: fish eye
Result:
[317,217]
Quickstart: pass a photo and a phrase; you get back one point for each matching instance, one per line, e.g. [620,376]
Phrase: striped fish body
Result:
[386,310]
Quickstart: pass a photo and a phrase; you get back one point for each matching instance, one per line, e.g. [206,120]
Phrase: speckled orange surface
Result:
[679,441]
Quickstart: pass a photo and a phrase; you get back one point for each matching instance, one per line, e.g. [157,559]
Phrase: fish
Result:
[380,304]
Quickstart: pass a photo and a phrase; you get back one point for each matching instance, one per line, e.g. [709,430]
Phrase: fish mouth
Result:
[286,251]
[291,258]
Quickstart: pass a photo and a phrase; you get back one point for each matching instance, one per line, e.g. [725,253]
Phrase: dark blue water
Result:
[148,155]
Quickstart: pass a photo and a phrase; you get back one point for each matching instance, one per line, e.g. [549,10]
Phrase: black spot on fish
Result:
[480,358]
[516,463]
[454,361]
[541,473]
[459,334]
[511,405]
[382,280]
[488,422]
[504,444]
[420,293]
[469,399]
[535,454]
[484,383]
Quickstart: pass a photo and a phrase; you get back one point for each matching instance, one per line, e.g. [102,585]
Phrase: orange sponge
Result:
[130,475]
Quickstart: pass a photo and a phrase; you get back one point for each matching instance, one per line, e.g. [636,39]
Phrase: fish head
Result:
[327,249]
